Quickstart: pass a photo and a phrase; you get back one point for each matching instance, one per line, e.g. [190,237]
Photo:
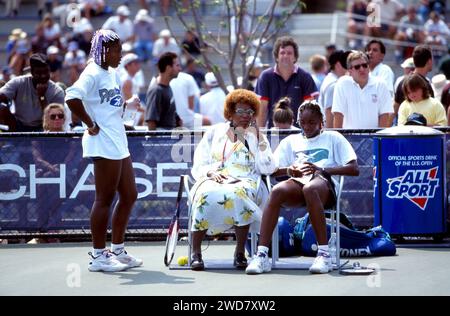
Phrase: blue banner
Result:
[45,184]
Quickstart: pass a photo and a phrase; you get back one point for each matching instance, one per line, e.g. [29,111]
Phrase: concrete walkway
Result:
[61,269]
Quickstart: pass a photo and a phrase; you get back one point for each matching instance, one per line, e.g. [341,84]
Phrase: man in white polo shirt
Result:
[360,100]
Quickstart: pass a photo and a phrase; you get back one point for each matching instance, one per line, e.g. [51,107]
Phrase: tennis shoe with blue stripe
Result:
[106,262]
[123,257]
[322,263]
[260,263]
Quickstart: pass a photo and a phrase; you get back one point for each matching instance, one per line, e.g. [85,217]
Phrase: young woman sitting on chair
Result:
[309,159]
[227,164]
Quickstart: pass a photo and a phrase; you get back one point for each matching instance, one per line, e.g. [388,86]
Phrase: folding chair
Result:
[295,263]
[210,263]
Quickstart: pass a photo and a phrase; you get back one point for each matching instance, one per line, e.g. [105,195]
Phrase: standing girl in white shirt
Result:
[95,98]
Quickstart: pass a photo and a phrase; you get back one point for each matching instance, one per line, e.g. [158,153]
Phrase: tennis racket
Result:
[172,233]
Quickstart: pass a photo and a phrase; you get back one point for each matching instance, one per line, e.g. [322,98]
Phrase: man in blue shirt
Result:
[285,79]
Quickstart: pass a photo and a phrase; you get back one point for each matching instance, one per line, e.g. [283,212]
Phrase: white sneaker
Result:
[322,264]
[259,264]
[124,258]
[105,262]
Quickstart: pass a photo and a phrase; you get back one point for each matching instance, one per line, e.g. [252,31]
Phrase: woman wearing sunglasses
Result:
[54,118]
[227,164]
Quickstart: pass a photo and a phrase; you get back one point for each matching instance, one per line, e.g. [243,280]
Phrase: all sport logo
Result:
[415,185]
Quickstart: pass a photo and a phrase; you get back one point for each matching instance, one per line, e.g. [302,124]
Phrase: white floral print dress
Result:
[216,206]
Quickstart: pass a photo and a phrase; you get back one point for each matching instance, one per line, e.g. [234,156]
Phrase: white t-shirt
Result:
[361,107]
[183,87]
[328,149]
[385,73]
[99,90]
[326,91]
[124,30]
[212,104]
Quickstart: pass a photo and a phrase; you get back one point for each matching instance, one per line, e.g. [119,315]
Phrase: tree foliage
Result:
[263,30]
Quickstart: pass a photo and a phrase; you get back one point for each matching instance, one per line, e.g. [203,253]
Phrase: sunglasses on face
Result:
[54,116]
[356,67]
[242,112]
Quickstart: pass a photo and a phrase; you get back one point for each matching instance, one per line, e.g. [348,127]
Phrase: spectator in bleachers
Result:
[284,79]
[330,49]
[427,6]
[6,74]
[438,82]
[410,30]
[437,33]
[357,24]
[121,24]
[31,94]
[283,117]
[244,31]
[12,7]
[55,63]
[165,43]
[130,87]
[360,100]
[390,12]
[376,51]
[52,30]
[211,103]
[19,59]
[160,111]
[191,68]
[92,7]
[408,68]
[45,6]
[39,43]
[186,93]
[190,44]
[11,45]
[75,61]
[338,68]
[423,61]
[144,32]
[255,67]
[418,100]
[319,69]
[83,36]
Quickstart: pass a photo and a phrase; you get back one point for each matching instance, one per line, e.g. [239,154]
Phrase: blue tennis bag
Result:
[372,242]
[287,244]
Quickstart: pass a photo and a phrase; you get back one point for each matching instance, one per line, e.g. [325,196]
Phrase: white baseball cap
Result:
[408,63]
[52,50]
[165,33]
[123,10]
[257,64]
[210,79]
[128,58]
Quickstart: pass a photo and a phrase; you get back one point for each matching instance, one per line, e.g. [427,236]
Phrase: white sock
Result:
[263,249]
[323,249]
[97,252]
[117,247]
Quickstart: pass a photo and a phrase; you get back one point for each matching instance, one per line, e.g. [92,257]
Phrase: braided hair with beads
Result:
[99,47]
